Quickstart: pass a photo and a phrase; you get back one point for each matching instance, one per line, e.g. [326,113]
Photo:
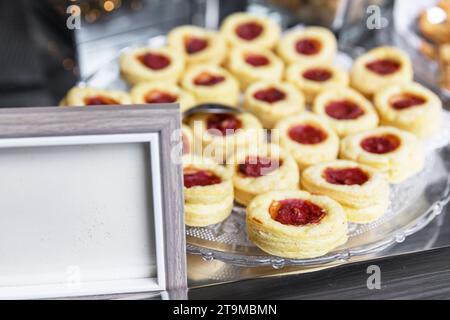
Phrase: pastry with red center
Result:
[250,65]
[220,135]
[198,45]
[296,224]
[312,79]
[308,138]
[151,64]
[162,92]
[272,101]
[393,152]
[311,45]
[243,29]
[262,169]
[208,191]
[86,96]
[362,192]
[410,107]
[379,68]
[346,110]
[210,83]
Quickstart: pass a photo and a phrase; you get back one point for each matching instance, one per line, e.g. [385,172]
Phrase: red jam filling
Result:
[224,123]
[307,134]
[249,31]
[270,95]
[186,146]
[319,75]
[256,166]
[154,61]
[296,212]
[99,101]
[193,45]
[405,101]
[308,46]
[345,176]
[257,60]
[157,96]
[381,144]
[194,177]
[383,66]
[343,110]
[208,79]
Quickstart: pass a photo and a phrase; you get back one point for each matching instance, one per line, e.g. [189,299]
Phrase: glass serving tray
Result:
[414,203]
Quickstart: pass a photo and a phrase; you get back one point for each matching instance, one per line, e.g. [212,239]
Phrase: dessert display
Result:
[81,96]
[296,224]
[259,170]
[410,107]
[272,101]
[208,191]
[312,79]
[395,153]
[362,192]
[210,83]
[199,46]
[346,110]
[187,139]
[243,29]
[161,92]
[250,65]
[308,138]
[311,45]
[151,64]
[380,68]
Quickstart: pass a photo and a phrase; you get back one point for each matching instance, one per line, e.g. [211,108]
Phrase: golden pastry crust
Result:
[307,154]
[284,176]
[133,70]
[266,65]
[330,77]
[160,92]
[83,96]
[398,70]
[214,51]
[290,101]
[410,107]
[316,45]
[226,91]
[200,200]
[363,203]
[187,139]
[267,37]
[291,241]
[352,112]
[398,164]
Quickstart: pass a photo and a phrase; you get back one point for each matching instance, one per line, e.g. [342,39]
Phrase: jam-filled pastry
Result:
[308,138]
[362,192]
[346,110]
[79,96]
[262,169]
[208,191]
[295,224]
[220,135]
[210,83]
[199,46]
[312,45]
[162,92]
[379,68]
[313,79]
[187,139]
[243,29]
[151,64]
[272,101]
[250,65]
[396,153]
[410,107]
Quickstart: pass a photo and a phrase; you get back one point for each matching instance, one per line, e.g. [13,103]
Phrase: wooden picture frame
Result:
[99,125]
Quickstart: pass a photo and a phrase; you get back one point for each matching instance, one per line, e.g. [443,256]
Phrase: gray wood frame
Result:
[101,120]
